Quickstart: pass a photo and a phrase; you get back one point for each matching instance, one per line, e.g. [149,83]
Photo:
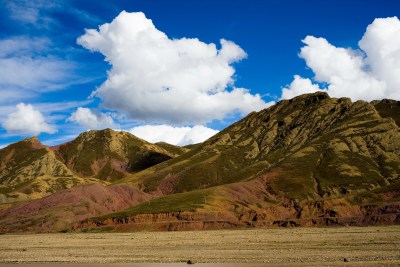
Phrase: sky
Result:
[180,71]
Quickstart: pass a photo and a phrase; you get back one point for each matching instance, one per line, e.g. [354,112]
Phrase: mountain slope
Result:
[61,210]
[175,150]
[309,157]
[30,170]
[109,155]
[388,108]
[311,138]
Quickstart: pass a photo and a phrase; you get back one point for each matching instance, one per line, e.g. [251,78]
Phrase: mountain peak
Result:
[109,155]
[32,139]
[108,134]
[314,97]
[33,142]
[307,99]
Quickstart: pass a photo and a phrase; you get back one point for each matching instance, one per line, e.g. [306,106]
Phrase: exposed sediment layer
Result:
[178,221]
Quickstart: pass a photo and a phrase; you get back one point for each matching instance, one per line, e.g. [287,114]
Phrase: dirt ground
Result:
[345,246]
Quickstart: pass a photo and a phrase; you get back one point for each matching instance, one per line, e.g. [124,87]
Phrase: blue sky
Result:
[53,75]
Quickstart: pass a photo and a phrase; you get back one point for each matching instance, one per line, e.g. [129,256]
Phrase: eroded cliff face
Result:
[171,221]
[289,215]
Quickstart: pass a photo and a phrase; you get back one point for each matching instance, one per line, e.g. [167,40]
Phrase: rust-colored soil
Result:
[69,206]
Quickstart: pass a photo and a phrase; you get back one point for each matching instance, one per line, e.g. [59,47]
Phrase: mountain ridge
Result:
[31,170]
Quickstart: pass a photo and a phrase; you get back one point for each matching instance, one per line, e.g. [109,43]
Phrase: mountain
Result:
[110,155]
[319,143]
[310,160]
[311,157]
[30,170]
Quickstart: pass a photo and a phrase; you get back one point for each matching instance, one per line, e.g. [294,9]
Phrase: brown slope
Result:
[109,155]
[61,210]
[29,170]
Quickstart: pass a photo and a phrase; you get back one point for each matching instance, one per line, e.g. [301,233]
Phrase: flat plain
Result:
[343,246]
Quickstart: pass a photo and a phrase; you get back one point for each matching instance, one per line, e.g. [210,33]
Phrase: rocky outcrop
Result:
[171,221]
[385,214]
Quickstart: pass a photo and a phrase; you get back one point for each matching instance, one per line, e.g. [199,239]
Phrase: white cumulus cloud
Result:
[173,135]
[157,79]
[27,120]
[372,72]
[91,120]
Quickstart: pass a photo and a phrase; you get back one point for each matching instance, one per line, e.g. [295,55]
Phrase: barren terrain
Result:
[347,246]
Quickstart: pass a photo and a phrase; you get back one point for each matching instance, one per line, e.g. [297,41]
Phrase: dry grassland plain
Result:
[343,246]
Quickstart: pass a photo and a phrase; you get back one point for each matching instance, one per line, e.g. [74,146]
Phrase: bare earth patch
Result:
[345,246]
